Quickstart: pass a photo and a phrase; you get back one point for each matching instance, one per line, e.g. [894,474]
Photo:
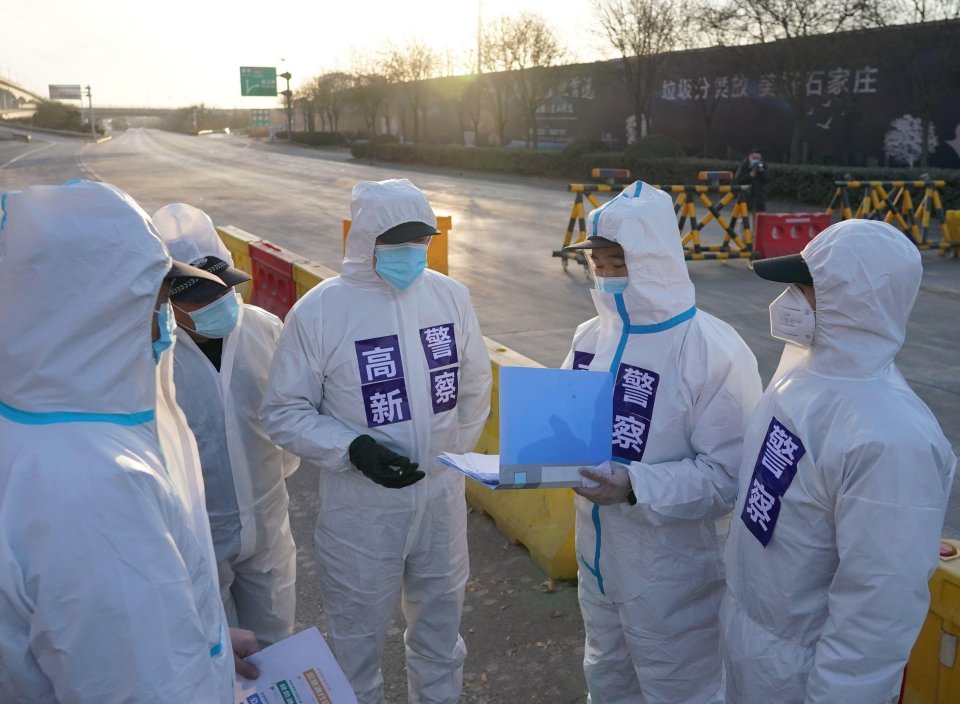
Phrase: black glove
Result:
[383,466]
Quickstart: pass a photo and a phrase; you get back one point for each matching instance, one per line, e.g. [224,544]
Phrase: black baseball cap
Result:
[594,242]
[790,269]
[182,270]
[404,232]
[216,276]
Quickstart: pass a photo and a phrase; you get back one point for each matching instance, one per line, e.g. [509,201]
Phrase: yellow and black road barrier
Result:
[907,205]
[738,238]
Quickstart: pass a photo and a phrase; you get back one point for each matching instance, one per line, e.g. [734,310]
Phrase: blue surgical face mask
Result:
[217,319]
[612,284]
[401,264]
[167,324]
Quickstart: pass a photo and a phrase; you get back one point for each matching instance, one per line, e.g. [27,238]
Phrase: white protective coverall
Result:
[651,575]
[108,586]
[846,476]
[410,369]
[243,470]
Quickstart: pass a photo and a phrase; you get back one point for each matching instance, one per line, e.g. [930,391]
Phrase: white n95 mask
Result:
[792,319]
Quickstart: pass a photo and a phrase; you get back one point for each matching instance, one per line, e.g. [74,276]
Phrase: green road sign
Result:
[258,80]
[259,118]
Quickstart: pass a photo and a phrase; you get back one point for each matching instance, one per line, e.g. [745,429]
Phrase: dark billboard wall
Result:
[855,98]
[851,98]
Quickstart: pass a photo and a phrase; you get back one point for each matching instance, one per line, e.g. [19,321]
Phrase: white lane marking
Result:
[89,170]
[32,151]
[86,169]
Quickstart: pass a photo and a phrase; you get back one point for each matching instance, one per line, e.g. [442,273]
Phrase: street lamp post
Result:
[93,122]
[288,94]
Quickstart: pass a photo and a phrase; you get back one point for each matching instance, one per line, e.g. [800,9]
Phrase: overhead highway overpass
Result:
[16,101]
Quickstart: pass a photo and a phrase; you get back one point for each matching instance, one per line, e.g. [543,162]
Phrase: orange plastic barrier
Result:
[274,287]
[780,234]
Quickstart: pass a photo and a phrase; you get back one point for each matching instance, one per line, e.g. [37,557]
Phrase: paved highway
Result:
[504,231]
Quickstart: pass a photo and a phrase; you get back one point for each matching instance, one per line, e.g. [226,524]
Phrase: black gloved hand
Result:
[382,465]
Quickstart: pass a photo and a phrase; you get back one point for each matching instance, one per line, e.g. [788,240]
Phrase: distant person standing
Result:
[753,172]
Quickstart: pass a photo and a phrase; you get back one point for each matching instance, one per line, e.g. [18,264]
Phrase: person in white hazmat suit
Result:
[649,531]
[221,360]
[108,585]
[377,372]
[843,487]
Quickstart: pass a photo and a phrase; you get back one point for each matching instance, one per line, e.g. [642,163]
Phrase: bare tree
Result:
[473,99]
[409,67]
[303,105]
[930,83]
[520,50]
[329,92]
[464,90]
[642,31]
[303,98]
[465,94]
[710,84]
[368,95]
[496,61]
[533,49]
[797,39]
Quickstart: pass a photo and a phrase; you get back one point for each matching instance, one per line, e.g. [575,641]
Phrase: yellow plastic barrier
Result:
[238,242]
[951,234]
[436,252]
[933,672]
[307,275]
[542,520]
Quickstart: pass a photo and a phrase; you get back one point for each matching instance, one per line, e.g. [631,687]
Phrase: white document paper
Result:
[483,468]
[486,470]
[297,670]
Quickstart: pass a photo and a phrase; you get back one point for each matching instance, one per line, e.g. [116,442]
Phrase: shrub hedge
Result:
[316,139]
[804,183]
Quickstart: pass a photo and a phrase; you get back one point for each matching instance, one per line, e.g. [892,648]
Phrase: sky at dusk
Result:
[180,53]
